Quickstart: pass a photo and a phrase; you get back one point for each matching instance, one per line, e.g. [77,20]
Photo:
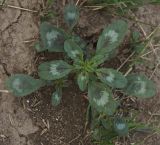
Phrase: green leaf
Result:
[110,109]
[103,130]
[140,86]
[71,15]
[112,78]
[82,81]
[109,40]
[120,126]
[94,118]
[22,85]
[135,36]
[139,48]
[56,97]
[100,97]
[112,35]
[39,47]
[89,114]
[79,41]
[97,134]
[104,136]
[52,38]
[98,59]
[107,123]
[73,50]
[54,70]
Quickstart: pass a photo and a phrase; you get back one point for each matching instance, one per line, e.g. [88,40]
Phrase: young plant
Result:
[90,76]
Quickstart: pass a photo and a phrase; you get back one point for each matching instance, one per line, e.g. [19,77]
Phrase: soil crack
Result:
[15,21]
[4,66]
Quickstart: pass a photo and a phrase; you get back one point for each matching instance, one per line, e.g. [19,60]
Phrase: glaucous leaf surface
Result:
[71,15]
[82,81]
[112,78]
[22,85]
[109,40]
[54,70]
[52,38]
[120,126]
[100,97]
[140,86]
[73,50]
[79,41]
[112,35]
[56,97]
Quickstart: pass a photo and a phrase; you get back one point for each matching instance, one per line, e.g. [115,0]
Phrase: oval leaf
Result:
[82,81]
[54,70]
[71,15]
[100,97]
[112,78]
[52,37]
[140,86]
[73,50]
[113,35]
[22,85]
[56,97]
[120,126]
[109,40]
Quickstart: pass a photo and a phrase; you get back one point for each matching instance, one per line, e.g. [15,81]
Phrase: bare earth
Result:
[15,56]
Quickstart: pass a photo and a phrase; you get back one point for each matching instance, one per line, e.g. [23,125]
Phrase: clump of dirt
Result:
[60,125]
[15,29]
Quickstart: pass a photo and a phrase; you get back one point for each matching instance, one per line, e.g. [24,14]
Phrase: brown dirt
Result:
[150,109]
[32,120]
[15,56]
